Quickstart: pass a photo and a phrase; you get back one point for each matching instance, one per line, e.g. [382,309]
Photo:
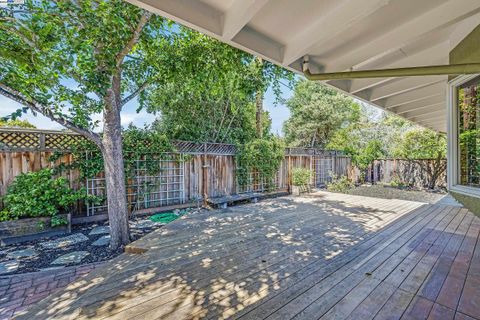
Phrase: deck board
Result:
[323,256]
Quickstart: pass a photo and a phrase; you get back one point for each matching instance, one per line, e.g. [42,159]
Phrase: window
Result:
[468,133]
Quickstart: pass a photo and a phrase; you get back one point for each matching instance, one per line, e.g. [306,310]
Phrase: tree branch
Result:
[142,87]
[44,110]
[134,39]
[24,38]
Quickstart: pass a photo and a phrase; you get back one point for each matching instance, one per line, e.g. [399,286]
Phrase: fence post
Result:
[41,141]
[204,174]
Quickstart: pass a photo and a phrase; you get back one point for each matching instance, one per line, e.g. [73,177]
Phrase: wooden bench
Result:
[222,202]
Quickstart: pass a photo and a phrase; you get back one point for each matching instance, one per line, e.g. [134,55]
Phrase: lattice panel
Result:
[19,140]
[200,148]
[61,141]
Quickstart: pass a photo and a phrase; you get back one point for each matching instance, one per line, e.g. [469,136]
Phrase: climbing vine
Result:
[260,155]
[138,144]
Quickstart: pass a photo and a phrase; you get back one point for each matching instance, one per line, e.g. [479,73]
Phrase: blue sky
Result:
[279,113]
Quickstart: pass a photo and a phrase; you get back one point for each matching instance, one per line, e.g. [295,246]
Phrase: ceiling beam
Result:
[432,54]
[193,14]
[417,106]
[437,89]
[339,19]
[441,16]
[403,85]
[425,112]
[238,15]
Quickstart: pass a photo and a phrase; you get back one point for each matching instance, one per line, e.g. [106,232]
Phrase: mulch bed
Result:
[43,260]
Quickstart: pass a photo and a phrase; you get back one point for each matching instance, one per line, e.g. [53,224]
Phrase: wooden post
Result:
[204,174]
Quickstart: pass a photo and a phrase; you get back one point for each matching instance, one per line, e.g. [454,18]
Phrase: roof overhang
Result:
[344,35]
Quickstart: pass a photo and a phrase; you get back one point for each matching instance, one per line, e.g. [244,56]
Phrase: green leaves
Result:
[260,155]
[317,112]
[39,194]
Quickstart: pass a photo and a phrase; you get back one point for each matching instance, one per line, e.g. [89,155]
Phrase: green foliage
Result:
[209,92]
[138,144]
[260,155]
[301,176]
[397,182]
[317,112]
[39,194]
[340,184]
[56,221]
[422,144]
[16,124]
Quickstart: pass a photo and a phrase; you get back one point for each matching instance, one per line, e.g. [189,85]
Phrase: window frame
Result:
[453,148]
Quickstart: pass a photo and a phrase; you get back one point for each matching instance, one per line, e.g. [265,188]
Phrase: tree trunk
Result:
[259,102]
[259,113]
[115,174]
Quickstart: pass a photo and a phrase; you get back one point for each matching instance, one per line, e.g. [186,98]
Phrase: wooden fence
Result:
[209,170]
[409,172]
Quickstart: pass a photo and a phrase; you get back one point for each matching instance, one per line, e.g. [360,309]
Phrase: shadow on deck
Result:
[327,255]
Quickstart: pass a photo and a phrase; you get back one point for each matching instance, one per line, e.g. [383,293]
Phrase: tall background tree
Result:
[317,112]
[73,60]
[215,91]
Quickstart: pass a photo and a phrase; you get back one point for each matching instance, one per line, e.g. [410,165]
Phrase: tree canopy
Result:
[71,61]
[211,95]
[317,112]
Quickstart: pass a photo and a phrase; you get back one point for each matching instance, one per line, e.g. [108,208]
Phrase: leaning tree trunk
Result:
[115,175]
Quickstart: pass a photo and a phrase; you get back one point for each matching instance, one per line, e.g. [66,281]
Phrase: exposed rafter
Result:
[238,15]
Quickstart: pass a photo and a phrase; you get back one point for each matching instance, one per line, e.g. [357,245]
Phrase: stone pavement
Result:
[19,291]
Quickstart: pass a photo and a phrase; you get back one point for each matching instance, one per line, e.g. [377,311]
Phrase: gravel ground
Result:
[45,257]
[387,192]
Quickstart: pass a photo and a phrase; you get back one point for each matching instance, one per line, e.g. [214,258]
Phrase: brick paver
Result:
[19,291]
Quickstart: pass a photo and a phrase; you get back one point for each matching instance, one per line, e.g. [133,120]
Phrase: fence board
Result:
[210,169]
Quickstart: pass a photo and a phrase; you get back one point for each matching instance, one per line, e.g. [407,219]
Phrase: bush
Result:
[396,182]
[39,194]
[340,184]
[301,177]
[261,155]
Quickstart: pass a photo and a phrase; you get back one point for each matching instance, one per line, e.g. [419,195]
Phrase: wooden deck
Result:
[328,256]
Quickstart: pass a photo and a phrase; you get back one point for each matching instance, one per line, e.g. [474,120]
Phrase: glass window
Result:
[469,133]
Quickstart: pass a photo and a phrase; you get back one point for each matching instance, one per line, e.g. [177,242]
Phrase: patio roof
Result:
[344,35]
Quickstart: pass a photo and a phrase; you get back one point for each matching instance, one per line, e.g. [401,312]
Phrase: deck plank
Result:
[323,256]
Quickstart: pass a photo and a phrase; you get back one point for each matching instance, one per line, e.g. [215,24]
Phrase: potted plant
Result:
[300,180]
[37,203]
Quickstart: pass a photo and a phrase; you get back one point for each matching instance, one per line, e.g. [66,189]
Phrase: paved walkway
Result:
[328,256]
[17,292]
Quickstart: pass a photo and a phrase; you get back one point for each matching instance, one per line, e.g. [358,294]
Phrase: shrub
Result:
[301,176]
[396,182]
[39,194]
[261,155]
[340,184]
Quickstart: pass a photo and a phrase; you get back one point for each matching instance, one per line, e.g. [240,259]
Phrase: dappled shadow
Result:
[223,262]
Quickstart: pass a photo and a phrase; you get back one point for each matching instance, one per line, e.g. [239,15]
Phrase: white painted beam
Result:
[403,85]
[425,112]
[417,106]
[437,89]
[238,15]
[441,16]
[346,14]
[431,55]
[194,14]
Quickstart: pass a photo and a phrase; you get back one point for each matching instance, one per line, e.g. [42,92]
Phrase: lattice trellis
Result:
[41,140]
[19,140]
[311,152]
